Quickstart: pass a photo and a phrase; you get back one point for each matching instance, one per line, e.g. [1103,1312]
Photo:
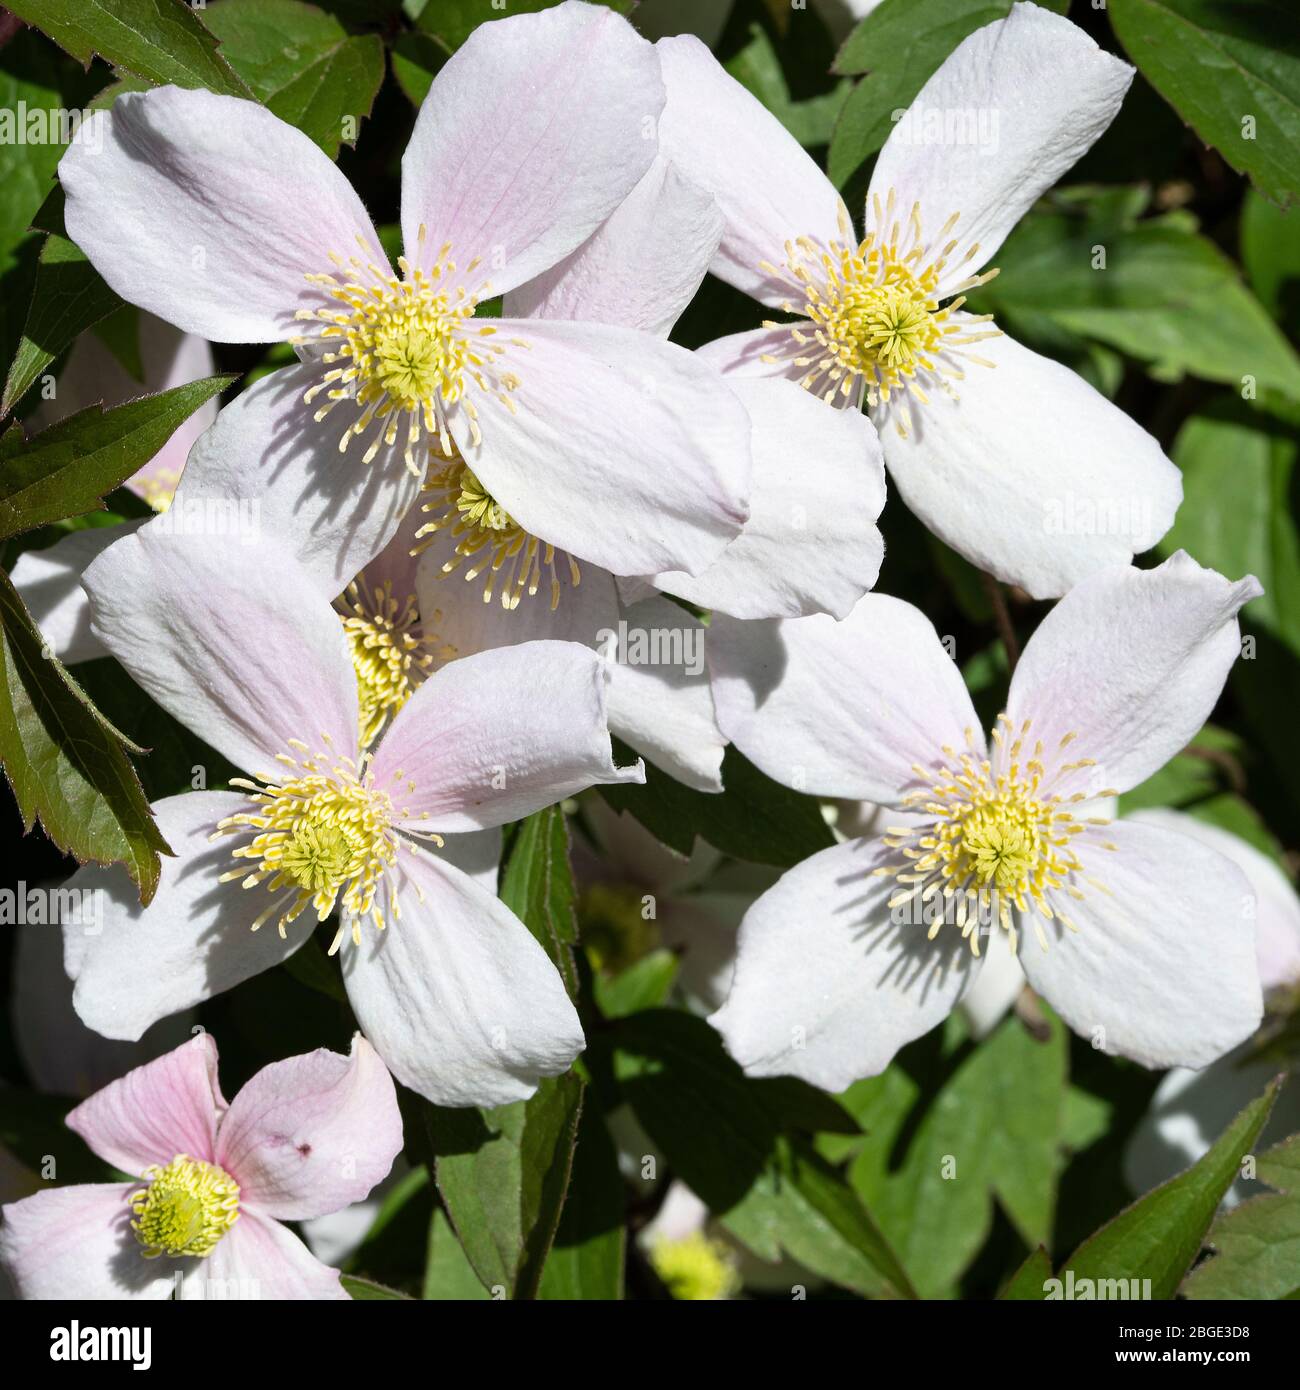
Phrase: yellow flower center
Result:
[390,653]
[1000,836]
[615,930]
[488,539]
[184,1209]
[875,323]
[322,837]
[407,347]
[159,488]
[696,1267]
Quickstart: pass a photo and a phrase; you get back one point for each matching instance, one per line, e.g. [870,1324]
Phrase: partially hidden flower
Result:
[1004,454]
[212,1183]
[1140,937]
[400,837]
[574,443]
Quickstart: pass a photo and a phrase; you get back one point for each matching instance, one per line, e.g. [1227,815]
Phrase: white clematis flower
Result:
[401,837]
[994,447]
[1139,937]
[615,447]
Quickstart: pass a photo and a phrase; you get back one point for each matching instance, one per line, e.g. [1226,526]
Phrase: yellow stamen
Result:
[391,653]
[696,1267]
[184,1208]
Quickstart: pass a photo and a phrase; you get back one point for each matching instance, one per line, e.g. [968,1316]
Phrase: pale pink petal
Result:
[493,737]
[312,1134]
[209,211]
[641,268]
[233,640]
[269,459]
[744,354]
[76,1243]
[133,966]
[166,1107]
[1128,667]
[458,997]
[811,544]
[531,135]
[258,1258]
[768,188]
[841,709]
[623,450]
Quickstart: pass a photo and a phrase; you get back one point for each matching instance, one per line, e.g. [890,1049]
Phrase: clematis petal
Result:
[811,544]
[458,997]
[659,701]
[642,268]
[209,211]
[1131,662]
[623,450]
[1161,965]
[744,354]
[258,1258]
[167,1107]
[138,964]
[1031,474]
[1045,92]
[312,1134]
[1277,908]
[248,655]
[827,986]
[767,187]
[268,459]
[49,581]
[531,135]
[76,1243]
[840,709]
[495,736]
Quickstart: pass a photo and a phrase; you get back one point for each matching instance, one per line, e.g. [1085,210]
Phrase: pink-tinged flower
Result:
[998,450]
[214,1181]
[50,580]
[617,448]
[401,837]
[1140,937]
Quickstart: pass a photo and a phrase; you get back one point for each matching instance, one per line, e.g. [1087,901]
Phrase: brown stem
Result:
[1002,616]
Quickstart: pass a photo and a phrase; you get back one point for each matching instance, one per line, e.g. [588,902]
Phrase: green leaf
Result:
[65,762]
[1164,295]
[538,887]
[1270,254]
[67,468]
[451,22]
[1159,1236]
[70,295]
[758,68]
[992,1130]
[1232,72]
[723,1137]
[503,1176]
[159,40]
[367,1289]
[1257,1244]
[448,1275]
[586,1261]
[901,43]
[302,64]
[1029,1282]
[754,818]
[645,984]
[1191,775]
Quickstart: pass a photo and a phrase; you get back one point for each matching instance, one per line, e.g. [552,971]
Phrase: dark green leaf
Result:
[586,1260]
[1029,1282]
[367,1289]
[448,1275]
[538,887]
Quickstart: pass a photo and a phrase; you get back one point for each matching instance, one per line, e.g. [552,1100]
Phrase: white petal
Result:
[458,997]
[49,581]
[1131,662]
[1161,968]
[768,188]
[841,709]
[1030,473]
[1007,113]
[811,544]
[664,708]
[137,965]
[641,268]
[827,986]
[1277,921]
[235,641]
[258,1258]
[267,460]
[998,987]
[531,135]
[209,211]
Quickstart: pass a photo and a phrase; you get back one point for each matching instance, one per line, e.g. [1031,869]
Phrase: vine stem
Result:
[1002,616]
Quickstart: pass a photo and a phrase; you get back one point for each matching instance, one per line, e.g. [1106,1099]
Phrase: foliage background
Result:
[1189,329]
